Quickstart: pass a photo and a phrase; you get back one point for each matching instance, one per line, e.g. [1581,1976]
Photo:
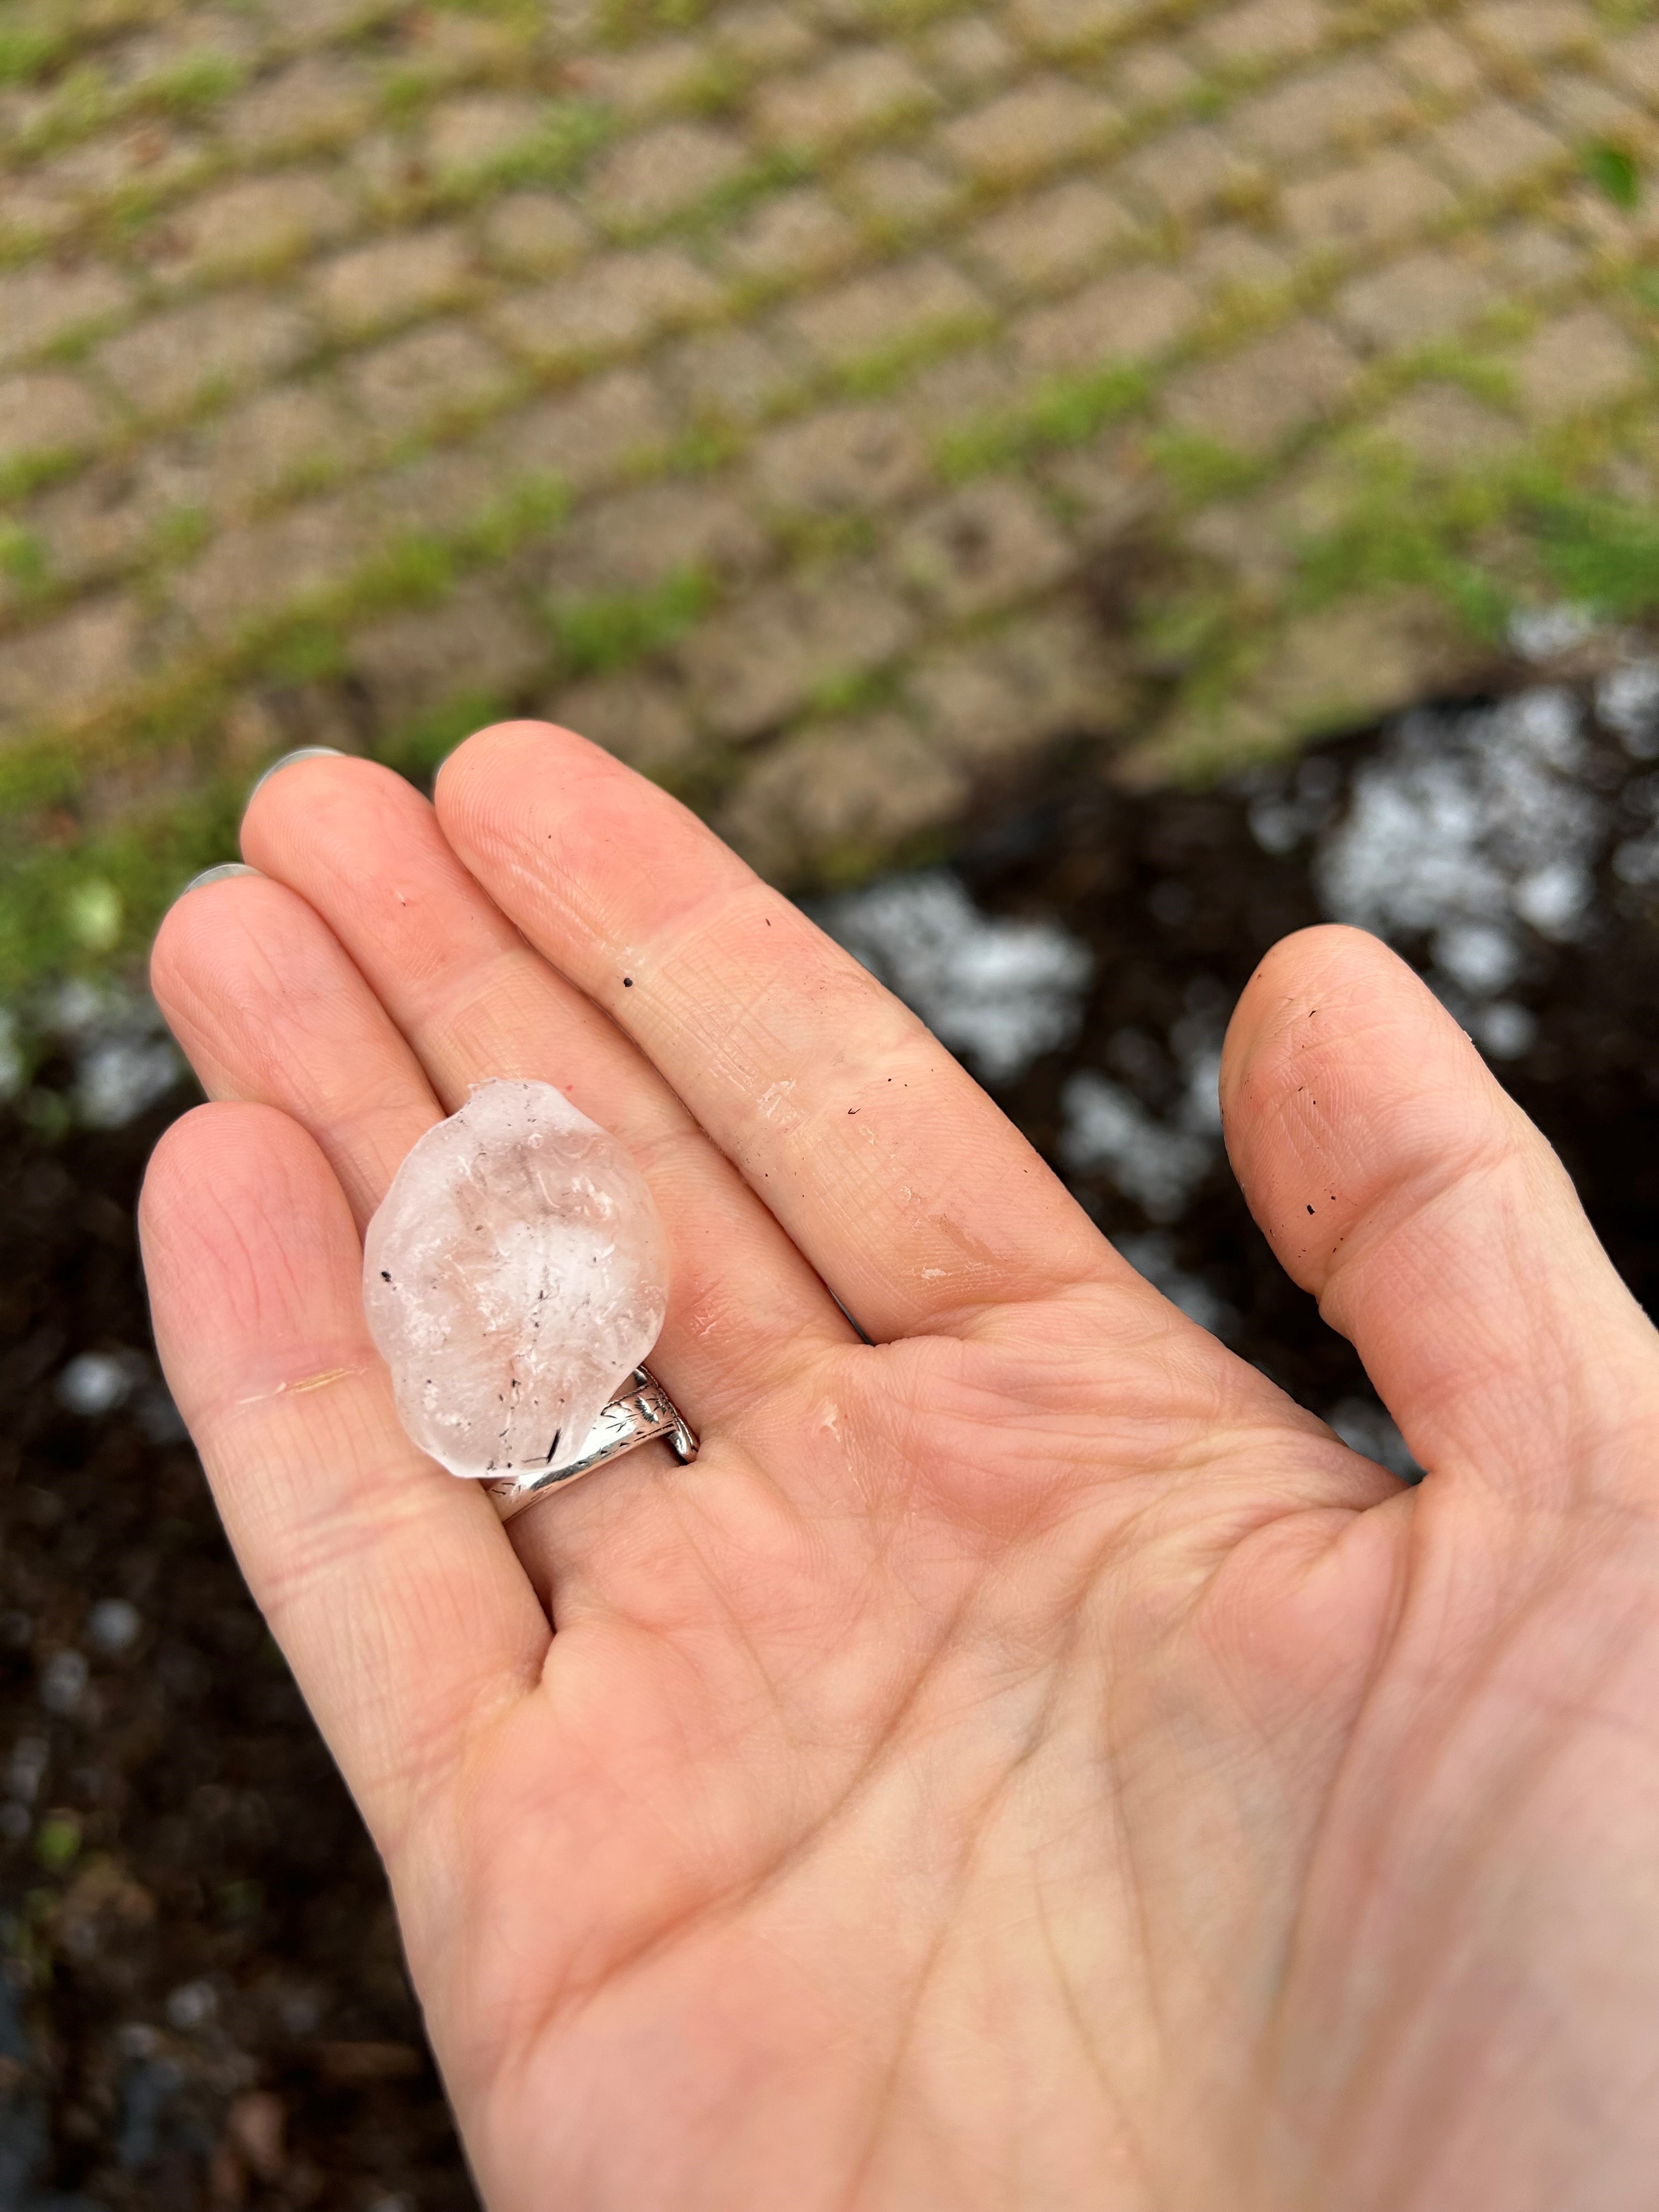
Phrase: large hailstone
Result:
[516,1275]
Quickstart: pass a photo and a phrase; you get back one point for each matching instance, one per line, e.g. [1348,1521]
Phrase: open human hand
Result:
[1026,1761]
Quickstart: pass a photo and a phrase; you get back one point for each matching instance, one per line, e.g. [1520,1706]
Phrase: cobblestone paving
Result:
[824,406]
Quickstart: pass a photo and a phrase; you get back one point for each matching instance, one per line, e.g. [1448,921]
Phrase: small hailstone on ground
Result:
[516,1275]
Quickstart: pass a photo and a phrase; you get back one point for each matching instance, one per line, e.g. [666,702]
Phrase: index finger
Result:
[913,1195]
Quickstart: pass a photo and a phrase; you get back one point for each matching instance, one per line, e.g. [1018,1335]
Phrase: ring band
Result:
[636,1415]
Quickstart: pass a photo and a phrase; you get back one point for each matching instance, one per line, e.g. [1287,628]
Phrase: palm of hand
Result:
[1027,1760]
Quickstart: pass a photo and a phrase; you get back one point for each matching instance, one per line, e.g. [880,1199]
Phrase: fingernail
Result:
[225,870]
[300,752]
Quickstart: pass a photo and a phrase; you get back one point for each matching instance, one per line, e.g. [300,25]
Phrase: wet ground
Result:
[202,2002]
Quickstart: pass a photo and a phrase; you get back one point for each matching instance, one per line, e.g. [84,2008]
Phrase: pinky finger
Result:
[391,1586]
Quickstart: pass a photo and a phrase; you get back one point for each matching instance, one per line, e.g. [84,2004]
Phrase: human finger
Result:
[473,1001]
[270,1010]
[410,1628]
[914,1197]
[1398,1182]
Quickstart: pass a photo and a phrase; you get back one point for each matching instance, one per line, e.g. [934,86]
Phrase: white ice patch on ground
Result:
[997,994]
[1158,1160]
[1153,1254]
[1365,1428]
[1472,830]
[1628,701]
[123,1057]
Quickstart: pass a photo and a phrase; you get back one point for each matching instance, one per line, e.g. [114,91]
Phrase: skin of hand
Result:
[1026,1761]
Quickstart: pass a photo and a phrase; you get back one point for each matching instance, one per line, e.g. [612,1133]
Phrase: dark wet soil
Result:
[202,2002]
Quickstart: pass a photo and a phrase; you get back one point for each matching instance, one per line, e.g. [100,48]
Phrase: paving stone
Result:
[1430,57]
[848,460]
[898,193]
[411,273]
[176,359]
[441,494]
[318,101]
[150,160]
[1183,172]
[103,520]
[255,570]
[1322,108]
[838,794]
[1357,662]
[476,642]
[859,92]
[590,436]
[794,239]
[44,415]
[644,80]
[1065,28]
[1633,62]
[434,375]
[1107,487]
[1582,362]
[1533,30]
[1373,202]
[961,388]
[766,36]
[1581,107]
[1428,295]
[661,173]
[1253,400]
[1054,237]
[1001,699]
[968,53]
[899,307]
[608,306]
[533,233]
[40,305]
[1152,76]
[59,676]
[275,439]
[253,225]
[1263,31]
[729,376]
[1235,259]
[751,669]
[988,546]
[1443,427]
[1533,257]
[476,131]
[638,539]
[641,720]
[1496,147]
[1132,317]
[315,22]
[1039,126]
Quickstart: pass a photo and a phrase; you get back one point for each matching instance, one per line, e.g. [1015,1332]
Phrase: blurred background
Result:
[1070,489]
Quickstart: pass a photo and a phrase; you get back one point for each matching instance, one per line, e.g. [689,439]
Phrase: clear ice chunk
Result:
[514,1276]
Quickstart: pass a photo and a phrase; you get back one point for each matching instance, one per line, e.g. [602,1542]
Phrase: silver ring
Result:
[636,1415]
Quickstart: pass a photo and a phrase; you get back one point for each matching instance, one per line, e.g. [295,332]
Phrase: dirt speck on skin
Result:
[202,2002]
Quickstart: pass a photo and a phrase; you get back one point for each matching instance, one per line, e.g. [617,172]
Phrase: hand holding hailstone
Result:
[515,1273]
[1029,1760]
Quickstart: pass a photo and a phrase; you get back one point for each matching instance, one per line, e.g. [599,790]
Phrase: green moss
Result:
[197,81]
[1615,171]
[854,691]
[889,366]
[1199,469]
[57,1841]
[23,560]
[570,132]
[1601,553]
[608,631]
[28,50]
[135,869]
[180,534]
[27,472]
[418,748]
[1066,411]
